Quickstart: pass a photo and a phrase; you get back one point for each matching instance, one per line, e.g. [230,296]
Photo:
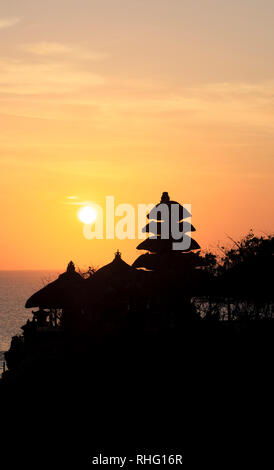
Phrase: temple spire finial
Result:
[71,267]
[165,197]
[118,254]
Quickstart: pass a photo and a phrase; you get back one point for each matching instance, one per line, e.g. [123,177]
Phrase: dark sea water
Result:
[15,288]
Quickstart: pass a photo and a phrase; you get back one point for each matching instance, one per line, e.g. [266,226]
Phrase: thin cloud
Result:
[44,78]
[83,203]
[236,90]
[8,22]
[234,105]
[49,49]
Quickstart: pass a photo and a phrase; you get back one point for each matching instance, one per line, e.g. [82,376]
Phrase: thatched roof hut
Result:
[111,278]
[118,269]
[61,293]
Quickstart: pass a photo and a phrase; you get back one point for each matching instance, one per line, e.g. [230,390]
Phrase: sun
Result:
[87,214]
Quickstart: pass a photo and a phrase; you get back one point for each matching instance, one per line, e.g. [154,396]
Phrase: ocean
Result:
[15,288]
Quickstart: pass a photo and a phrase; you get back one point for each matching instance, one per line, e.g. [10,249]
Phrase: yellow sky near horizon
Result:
[130,99]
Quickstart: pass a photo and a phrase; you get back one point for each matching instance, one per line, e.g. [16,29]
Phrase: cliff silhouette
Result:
[149,356]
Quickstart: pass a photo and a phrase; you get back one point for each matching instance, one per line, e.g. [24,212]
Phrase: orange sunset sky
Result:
[131,98]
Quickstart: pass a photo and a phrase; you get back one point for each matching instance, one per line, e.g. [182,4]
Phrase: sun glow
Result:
[87,215]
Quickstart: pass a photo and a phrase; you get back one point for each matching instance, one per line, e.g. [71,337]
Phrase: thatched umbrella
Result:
[62,293]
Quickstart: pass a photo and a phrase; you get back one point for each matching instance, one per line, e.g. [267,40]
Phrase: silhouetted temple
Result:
[169,229]
[118,271]
[59,293]
[111,293]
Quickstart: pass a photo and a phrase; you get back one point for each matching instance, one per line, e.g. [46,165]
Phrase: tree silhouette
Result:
[246,269]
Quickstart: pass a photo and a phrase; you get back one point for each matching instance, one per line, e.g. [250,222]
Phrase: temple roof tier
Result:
[181,211]
[156,227]
[159,245]
[167,261]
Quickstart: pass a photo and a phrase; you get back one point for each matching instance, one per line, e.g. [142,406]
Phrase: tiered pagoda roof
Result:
[164,219]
